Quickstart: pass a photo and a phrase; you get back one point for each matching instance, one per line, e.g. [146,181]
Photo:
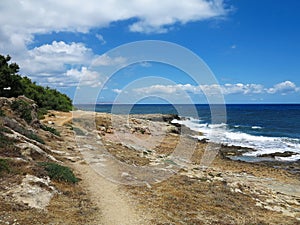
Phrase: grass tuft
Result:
[4,167]
[23,108]
[59,173]
[2,113]
[51,130]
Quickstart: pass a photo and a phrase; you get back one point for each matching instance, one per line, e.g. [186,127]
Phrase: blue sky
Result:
[252,47]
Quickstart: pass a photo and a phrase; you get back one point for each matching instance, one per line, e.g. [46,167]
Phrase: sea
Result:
[265,128]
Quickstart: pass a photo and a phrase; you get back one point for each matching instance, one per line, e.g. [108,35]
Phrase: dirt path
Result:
[116,207]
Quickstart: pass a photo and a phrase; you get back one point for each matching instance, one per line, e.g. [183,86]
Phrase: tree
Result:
[13,85]
[10,81]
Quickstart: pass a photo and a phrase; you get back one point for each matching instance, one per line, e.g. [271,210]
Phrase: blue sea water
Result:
[267,128]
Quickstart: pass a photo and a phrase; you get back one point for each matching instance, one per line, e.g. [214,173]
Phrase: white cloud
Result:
[168,89]
[21,20]
[101,39]
[118,91]
[242,88]
[157,16]
[284,88]
[74,77]
[227,89]
[60,64]
[53,58]
[85,76]
[105,60]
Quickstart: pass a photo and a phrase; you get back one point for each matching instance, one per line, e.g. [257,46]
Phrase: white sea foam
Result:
[256,127]
[219,133]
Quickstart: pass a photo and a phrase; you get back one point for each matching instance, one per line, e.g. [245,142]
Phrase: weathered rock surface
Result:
[33,191]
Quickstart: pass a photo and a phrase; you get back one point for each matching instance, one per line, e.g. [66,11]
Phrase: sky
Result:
[251,48]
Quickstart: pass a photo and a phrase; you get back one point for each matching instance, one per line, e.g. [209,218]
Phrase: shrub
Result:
[51,130]
[35,137]
[5,141]
[2,113]
[5,130]
[59,173]
[41,113]
[4,167]
[22,108]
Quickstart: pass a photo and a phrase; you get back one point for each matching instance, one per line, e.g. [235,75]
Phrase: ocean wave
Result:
[221,133]
[256,127]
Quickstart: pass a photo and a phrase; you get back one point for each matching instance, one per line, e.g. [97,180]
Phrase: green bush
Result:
[44,97]
[2,113]
[5,141]
[4,167]
[5,130]
[41,113]
[23,108]
[51,130]
[59,173]
[35,137]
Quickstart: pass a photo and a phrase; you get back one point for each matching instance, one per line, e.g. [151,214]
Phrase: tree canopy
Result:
[13,85]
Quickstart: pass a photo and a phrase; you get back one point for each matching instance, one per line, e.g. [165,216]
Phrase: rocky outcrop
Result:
[33,191]
[23,108]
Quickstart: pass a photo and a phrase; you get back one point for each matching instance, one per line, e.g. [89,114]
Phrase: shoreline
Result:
[225,192]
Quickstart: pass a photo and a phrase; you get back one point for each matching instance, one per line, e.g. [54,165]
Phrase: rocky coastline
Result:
[149,170]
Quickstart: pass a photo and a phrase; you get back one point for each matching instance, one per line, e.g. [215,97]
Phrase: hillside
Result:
[36,184]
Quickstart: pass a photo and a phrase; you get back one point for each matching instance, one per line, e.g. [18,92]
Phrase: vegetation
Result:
[27,133]
[4,140]
[4,167]
[2,113]
[46,98]
[13,85]
[10,82]
[59,173]
[23,108]
[51,130]
[5,130]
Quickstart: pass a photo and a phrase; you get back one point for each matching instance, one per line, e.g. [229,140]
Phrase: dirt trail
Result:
[116,207]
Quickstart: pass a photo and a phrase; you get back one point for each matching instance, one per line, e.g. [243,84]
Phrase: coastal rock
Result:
[278,154]
[33,191]
[172,129]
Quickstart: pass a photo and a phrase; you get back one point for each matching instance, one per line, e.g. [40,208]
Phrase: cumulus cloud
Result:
[21,20]
[60,64]
[105,60]
[161,14]
[227,89]
[74,77]
[240,88]
[85,76]
[284,88]
[53,58]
